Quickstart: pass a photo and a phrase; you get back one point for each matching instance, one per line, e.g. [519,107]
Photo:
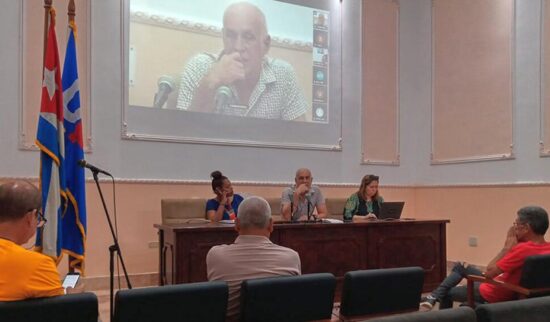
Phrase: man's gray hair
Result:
[254,212]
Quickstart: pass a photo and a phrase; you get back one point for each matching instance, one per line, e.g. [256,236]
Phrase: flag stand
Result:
[112,249]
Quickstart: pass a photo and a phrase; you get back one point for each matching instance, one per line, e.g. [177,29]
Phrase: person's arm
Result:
[286,206]
[511,240]
[322,210]
[216,214]
[321,205]
[45,281]
[226,71]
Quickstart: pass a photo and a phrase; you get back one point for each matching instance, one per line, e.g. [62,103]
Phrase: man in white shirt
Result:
[299,201]
[252,255]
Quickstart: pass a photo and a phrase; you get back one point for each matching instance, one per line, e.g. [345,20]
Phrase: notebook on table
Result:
[391,210]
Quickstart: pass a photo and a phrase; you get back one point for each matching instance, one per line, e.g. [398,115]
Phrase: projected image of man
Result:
[242,80]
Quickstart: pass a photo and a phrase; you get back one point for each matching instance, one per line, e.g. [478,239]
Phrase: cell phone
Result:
[70,280]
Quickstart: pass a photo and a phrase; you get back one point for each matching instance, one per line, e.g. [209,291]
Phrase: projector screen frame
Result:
[134,119]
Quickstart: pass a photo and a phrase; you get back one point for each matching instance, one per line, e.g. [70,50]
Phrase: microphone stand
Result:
[112,249]
[308,209]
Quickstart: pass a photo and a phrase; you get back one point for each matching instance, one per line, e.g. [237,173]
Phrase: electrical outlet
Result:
[472,241]
[153,244]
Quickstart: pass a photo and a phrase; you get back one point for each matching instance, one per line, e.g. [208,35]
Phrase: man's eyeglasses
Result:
[41,220]
[519,223]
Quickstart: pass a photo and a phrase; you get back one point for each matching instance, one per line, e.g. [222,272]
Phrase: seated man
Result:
[525,238]
[252,255]
[25,274]
[299,201]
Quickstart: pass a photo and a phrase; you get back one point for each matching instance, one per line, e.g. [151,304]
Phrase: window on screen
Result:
[261,59]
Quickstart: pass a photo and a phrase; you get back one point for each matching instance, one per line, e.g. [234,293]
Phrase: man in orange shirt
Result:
[23,273]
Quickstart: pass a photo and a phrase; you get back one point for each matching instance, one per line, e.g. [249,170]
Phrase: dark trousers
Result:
[448,291]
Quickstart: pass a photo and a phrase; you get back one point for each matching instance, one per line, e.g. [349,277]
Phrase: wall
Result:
[479,198]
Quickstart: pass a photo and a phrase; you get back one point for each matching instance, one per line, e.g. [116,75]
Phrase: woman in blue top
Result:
[365,203]
[225,205]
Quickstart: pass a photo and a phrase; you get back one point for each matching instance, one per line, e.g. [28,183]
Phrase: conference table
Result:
[336,248]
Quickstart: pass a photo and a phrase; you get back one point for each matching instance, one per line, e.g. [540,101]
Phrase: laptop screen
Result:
[391,210]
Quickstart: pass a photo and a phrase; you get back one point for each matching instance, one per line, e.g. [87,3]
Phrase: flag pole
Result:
[71,13]
[47,7]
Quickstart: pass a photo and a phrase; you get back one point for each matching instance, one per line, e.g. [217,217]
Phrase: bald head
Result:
[254,212]
[17,198]
[246,11]
[303,172]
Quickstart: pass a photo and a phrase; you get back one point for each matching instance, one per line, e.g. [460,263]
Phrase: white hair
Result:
[254,212]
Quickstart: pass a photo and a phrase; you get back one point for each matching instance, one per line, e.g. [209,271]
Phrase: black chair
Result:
[197,302]
[461,314]
[381,291]
[532,310]
[534,282]
[288,298]
[64,308]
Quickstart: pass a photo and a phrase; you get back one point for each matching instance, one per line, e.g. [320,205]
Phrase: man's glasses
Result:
[41,220]
[519,223]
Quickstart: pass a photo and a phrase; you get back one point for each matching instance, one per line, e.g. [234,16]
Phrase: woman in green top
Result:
[365,203]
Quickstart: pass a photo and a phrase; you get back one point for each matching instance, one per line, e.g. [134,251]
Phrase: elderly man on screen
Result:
[24,274]
[242,80]
[252,255]
[524,238]
[300,201]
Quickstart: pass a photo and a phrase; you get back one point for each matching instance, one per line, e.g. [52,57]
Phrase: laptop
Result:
[391,210]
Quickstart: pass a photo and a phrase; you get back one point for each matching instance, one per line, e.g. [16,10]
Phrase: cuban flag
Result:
[50,140]
[74,219]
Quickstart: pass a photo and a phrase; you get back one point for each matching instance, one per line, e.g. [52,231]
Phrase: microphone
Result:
[165,87]
[94,169]
[224,95]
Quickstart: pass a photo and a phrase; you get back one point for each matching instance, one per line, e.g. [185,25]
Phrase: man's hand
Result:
[227,70]
[301,190]
[511,238]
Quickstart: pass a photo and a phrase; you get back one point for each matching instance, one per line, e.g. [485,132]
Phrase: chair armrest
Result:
[512,287]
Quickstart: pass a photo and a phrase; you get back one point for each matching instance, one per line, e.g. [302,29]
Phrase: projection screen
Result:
[258,72]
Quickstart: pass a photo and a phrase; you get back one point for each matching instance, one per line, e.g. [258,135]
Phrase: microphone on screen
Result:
[223,97]
[165,85]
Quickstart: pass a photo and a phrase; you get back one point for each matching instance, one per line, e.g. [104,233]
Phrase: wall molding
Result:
[520,184]
[507,153]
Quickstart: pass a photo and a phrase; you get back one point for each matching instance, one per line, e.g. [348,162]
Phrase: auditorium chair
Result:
[461,314]
[335,207]
[532,310]
[381,291]
[534,282]
[288,298]
[183,210]
[275,205]
[194,302]
[80,307]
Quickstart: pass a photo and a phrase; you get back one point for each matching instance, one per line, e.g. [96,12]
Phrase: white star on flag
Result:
[49,82]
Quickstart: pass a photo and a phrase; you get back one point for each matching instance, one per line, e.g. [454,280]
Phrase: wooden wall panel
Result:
[380,69]
[472,108]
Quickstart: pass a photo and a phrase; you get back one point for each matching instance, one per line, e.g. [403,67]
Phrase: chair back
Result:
[195,302]
[379,291]
[178,211]
[288,298]
[460,314]
[535,270]
[73,307]
[532,310]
